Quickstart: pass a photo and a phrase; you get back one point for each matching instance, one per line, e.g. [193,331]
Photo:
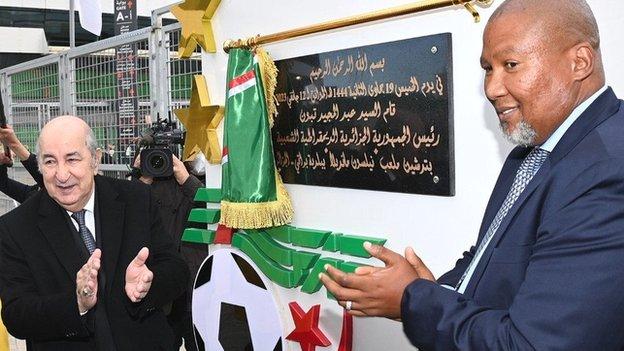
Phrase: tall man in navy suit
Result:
[86,264]
[547,270]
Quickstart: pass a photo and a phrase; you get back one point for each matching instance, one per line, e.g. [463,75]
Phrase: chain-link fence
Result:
[180,72]
[110,91]
[119,86]
[35,100]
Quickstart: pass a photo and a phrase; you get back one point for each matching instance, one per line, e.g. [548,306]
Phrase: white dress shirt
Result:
[89,215]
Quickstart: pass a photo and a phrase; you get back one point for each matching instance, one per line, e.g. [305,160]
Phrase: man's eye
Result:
[48,162]
[511,65]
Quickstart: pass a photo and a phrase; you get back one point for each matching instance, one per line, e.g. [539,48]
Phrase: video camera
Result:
[156,154]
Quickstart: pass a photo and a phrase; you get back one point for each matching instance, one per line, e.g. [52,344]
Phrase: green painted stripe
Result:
[280,276]
[303,260]
[204,215]
[278,253]
[299,260]
[200,236]
[332,243]
[354,245]
[348,267]
[281,233]
[208,195]
[308,237]
[312,283]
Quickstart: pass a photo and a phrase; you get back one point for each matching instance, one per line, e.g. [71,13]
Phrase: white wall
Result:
[439,228]
[23,40]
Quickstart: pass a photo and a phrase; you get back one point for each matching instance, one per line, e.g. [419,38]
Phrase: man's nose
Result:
[62,173]
[494,86]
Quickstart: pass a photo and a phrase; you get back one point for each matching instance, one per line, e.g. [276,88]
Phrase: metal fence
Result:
[119,86]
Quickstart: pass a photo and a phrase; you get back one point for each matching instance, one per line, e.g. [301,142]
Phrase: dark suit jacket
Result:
[552,276]
[39,258]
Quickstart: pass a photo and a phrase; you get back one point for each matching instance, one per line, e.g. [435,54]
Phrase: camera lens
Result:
[157,162]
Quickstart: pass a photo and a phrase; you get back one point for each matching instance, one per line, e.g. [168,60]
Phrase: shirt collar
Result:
[551,142]
[90,206]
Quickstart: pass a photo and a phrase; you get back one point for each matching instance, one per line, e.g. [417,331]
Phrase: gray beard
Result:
[524,134]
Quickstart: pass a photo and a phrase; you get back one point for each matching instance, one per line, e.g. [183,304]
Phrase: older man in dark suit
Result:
[547,270]
[86,264]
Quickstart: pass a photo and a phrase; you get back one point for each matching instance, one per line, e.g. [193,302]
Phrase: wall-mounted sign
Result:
[378,117]
[126,67]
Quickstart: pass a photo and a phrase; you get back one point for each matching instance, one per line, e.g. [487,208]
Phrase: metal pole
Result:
[420,6]
[72,25]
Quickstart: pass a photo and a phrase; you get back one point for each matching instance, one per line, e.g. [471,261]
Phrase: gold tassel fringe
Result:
[268,70]
[249,215]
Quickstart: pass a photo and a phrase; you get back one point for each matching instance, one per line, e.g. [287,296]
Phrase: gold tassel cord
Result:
[268,71]
[420,6]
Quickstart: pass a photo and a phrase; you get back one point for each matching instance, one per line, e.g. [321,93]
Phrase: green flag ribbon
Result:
[253,195]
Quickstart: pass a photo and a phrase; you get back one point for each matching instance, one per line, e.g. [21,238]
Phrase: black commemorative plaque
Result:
[378,117]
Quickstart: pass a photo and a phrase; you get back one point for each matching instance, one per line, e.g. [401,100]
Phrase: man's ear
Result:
[96,161]
[583,58]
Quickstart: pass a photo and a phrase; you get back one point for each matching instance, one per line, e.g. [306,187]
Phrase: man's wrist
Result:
[146,180]
[22,153]
[81,309]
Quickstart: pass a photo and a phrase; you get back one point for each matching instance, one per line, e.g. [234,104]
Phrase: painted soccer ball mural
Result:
[260,289]
[233,308]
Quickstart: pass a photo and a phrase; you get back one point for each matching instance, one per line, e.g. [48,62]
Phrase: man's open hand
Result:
[138,277]
[87,282]
[376,291]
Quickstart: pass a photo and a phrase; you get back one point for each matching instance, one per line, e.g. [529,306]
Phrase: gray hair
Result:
[523,135]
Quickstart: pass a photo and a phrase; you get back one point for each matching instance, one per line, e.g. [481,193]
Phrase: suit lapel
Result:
[601,109]
[505,181]
[502,229]
[530,188]
[54,227]
[110,221]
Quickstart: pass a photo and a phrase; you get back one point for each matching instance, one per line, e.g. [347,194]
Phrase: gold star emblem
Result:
[195,17]
[201,120]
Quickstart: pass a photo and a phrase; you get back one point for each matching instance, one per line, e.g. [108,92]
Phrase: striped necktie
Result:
[528,168]
[85,233]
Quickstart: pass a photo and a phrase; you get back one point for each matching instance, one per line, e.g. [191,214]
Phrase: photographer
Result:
[12,188]
[174,197]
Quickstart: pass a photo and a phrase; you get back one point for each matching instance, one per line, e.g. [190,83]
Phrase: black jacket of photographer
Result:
[19,191]
[175,202]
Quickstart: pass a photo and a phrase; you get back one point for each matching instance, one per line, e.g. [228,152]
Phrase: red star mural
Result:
[307,332]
